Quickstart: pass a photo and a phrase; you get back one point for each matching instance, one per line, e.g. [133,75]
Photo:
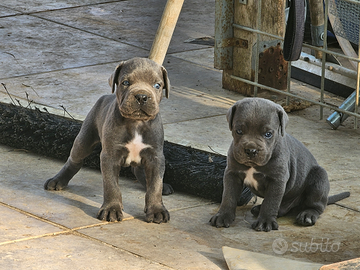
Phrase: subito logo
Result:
[280,246]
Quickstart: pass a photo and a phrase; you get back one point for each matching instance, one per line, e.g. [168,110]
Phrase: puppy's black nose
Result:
[251,152]
[142,99]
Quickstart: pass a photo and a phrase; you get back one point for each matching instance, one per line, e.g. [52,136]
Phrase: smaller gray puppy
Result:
[129,127]
[274,165]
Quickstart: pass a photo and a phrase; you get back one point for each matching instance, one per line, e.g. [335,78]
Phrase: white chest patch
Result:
[135,146]
[249,178]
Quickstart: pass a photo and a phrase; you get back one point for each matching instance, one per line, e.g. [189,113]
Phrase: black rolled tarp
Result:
[188,170]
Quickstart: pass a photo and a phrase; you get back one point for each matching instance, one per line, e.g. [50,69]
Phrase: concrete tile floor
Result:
[62,53]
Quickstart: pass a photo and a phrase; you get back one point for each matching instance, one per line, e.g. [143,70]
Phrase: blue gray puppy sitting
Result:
[274,165]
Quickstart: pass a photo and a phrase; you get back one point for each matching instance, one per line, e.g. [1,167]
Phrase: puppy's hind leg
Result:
[83,146]
[315,197]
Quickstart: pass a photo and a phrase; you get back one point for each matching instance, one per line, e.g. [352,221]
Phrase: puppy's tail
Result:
[338,197]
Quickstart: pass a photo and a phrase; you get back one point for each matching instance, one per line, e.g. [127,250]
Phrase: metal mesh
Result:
[347,19]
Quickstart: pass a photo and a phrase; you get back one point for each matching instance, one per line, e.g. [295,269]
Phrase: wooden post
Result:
[316,8]
[224,19]
[273,22]
[165,30]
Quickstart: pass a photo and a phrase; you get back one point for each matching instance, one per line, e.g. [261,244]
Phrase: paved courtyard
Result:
[59,54]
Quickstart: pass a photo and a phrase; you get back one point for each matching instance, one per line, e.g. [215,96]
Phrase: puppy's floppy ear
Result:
[284,119]
[113,80]
[230,115]
[166,81]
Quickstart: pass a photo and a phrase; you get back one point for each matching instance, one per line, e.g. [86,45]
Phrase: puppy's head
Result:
[256,124]
[139,84]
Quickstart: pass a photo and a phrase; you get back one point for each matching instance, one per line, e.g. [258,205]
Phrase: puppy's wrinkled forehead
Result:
[141,70]
[257,115]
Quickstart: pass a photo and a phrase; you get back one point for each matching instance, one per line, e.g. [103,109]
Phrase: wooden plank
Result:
[165,30]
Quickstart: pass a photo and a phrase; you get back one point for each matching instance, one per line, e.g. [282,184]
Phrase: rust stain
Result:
[273,68]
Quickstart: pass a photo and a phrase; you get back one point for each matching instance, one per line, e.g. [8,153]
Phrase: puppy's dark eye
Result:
[268,135]
[239,132]
[157,85]
[126,83]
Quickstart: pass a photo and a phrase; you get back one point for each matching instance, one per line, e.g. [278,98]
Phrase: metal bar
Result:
[258,26]
[329,66]
[322,89]
[336,118]
[256,31]
[356,2]
[331,52]
[294,96]
[245,28]
[357,85]
[288,84]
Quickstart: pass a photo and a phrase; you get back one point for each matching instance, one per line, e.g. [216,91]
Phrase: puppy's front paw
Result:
[157,214]
[111,212]
[222,220]
[265,224]
[55,184]
[307,217]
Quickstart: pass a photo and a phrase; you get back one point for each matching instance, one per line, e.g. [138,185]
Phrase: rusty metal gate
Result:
[248,48]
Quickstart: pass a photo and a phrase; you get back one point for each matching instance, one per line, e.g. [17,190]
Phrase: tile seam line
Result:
[172,54]
[57,225]
[192,62]
[165,124]
[192,206]
[347,207]
[67,229]
[140,217]
[86,66]
[59,70]
[33,237]
[11,15]
[126,43]
[58,9]
[82,235]
[34,216]
[88,32]
[195,119]
[76,229]
[64,228]
[73,231]
[76,233]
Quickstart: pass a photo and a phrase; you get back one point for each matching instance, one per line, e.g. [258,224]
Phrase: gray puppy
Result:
[274,165]
[129,127]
